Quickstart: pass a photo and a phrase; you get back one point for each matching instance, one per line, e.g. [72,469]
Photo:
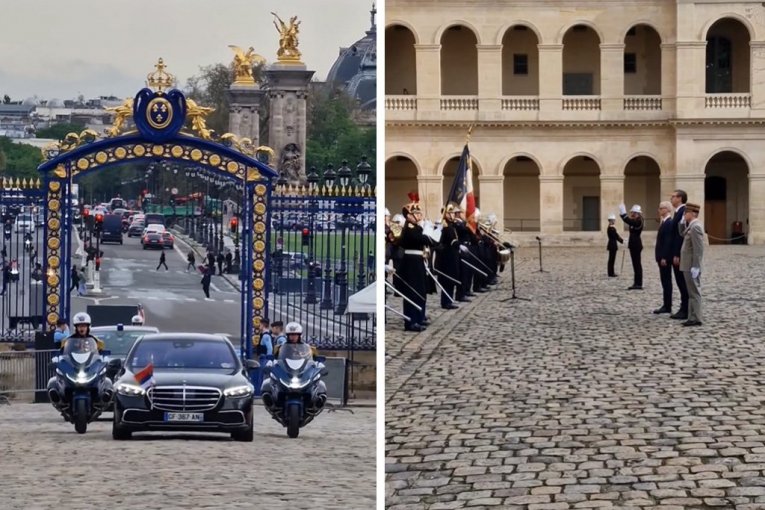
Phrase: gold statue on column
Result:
[288,40]
[242,64]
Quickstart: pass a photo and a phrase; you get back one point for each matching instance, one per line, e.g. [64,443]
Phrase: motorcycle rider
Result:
[81,324]
[294,332]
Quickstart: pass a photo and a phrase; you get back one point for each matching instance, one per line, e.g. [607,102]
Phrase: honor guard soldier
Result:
[466,272]
[411,274]
[612,247]
[634,244]
[448,258]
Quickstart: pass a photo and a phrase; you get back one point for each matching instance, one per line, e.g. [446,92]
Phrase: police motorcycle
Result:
[294,394]
[7,229]
[80,389]
[28,242]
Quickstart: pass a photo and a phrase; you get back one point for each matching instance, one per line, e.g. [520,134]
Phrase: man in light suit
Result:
[678,199]
[691,255]
[664,256]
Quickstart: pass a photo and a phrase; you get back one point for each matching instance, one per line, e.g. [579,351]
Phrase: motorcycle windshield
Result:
[80,350]
[294,357]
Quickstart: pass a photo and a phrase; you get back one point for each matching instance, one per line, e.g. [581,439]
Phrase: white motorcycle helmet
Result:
[293,328]
[81,318]
[137,320]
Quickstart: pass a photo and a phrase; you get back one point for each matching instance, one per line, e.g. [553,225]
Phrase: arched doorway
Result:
[400,61]
[726,196]
[400,180]
[521,195]
[459,62]
[581,195]
[727,60]
[520,62]
[642,61]
[642,185]
[450,171]
[581,62]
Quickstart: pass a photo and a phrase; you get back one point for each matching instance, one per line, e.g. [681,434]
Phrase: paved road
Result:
[582,398]
[173,298]
[330,466]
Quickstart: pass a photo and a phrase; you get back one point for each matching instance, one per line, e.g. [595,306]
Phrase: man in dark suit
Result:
[664,256]
[678,200]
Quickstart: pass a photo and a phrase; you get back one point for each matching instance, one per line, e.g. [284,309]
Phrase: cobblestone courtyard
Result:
[581,397]
[45,464]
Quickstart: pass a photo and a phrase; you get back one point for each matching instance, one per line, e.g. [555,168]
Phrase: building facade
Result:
[578,106]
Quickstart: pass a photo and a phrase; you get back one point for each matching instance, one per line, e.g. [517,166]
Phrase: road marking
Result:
[213,287]
[229,301]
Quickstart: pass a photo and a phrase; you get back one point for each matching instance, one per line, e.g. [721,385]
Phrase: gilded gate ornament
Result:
[122,112]
[288,39]
[197,115]
[243,63]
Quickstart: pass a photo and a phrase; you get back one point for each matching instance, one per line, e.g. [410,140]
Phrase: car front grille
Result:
[184,398]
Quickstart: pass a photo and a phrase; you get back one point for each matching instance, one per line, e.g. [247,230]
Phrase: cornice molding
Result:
[672,123]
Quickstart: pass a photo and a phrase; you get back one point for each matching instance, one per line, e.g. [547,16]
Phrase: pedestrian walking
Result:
[211,260]
[82,289]
[691,256]
[678,199]
[612,247]
[206,277]
[220,259]
[75,277]
[634,244]
[192,261]
[162,261]
[229,260]
[664,256]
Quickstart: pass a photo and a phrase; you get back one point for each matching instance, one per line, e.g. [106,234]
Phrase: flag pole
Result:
[467,141]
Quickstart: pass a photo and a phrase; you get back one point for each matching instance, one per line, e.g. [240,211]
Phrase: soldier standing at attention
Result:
[634,244]
[411,281]
[448,258]
[612,247]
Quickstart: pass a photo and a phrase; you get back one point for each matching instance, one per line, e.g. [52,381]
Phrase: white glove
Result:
[695,273]
[622,209]
[463,249]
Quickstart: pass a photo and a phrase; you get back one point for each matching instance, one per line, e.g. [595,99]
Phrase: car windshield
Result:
[25,217]
[119,342]
[80,346]
[181,353]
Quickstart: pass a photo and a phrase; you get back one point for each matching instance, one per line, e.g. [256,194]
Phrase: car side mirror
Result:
[115,364]
[252,364]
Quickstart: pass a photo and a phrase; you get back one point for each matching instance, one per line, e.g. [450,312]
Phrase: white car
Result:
[25,222]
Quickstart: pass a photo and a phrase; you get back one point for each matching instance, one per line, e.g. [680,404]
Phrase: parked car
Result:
[24,223]
[199,385]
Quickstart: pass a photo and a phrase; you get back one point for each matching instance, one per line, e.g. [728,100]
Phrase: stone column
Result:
[612,77]
[550,78]
[430,189]
[757,81]
[428,62]
[611,195]
[287,91]
[244,115]
[490,194]
[691,77]
[489,77]
[668,77]
[551,204]
[756,227]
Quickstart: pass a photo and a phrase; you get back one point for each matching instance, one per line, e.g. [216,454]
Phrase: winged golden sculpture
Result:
[197,114]
[122,112]
[243,63]
[288,40]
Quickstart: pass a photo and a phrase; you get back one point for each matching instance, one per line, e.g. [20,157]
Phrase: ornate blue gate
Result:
[160,118]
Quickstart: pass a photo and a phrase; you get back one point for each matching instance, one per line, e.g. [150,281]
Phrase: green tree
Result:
[59,131]
[209,88]
[3,161]
[6,99]
[21,160]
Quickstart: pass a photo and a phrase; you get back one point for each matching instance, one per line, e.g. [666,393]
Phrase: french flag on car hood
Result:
[145,377]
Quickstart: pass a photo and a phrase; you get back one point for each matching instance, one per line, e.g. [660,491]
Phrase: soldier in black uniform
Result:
[612,247]
[448,258]
[634,244]
[411,275]
[477,248]
[466,272]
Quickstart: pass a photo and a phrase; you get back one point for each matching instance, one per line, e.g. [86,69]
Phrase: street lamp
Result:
[345,174]
[313,180]
[326,299]
[363,170]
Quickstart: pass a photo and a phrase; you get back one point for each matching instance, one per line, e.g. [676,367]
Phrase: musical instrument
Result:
[503,250]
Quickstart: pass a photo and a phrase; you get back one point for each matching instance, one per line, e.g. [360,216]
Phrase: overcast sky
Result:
[60,49]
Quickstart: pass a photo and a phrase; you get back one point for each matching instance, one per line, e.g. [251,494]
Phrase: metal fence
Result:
[22,373]
[21,260]
[322,247]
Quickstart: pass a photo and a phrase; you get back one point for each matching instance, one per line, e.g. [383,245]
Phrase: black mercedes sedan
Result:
[183,382]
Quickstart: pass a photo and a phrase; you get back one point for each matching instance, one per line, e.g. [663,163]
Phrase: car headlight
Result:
[239,391]
[130,389]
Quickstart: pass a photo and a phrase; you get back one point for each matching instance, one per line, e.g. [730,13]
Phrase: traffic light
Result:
[306,237]
[99,221]
[233,224]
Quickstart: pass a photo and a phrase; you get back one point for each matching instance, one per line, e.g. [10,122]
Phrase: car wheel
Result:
[118,432]
[246,435]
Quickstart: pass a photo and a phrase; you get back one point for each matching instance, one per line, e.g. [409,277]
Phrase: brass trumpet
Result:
[493,234]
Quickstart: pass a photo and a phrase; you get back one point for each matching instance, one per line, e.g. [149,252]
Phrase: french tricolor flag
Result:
[462,189]
[145,377]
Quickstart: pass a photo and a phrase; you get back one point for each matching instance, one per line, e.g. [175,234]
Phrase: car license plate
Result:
[185,417]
